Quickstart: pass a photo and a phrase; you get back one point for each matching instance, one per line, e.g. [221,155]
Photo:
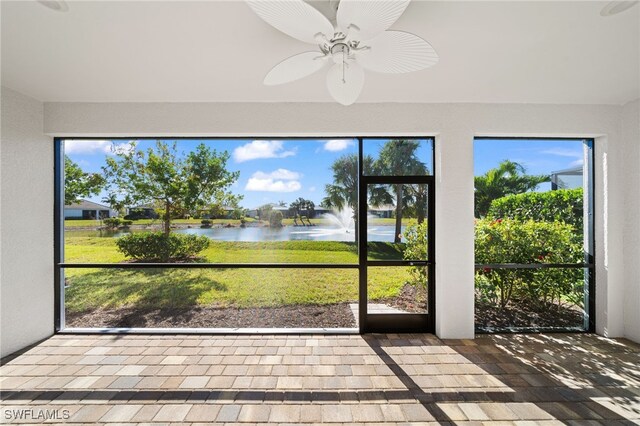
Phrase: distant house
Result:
[86,209]
[225,212]
[286,213]
[383,210]
[567,179]
[145,211]
[317,211]
[255,213]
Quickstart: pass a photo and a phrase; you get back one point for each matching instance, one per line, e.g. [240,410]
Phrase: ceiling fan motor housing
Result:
[340,52]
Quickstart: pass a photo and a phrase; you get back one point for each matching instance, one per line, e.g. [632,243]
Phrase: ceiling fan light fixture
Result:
[617,6]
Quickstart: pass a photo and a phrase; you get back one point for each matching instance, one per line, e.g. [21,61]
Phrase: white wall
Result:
[26,224]
[72,213]
[453,125]
[631,207]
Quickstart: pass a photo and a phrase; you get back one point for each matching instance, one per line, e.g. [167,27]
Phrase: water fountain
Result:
[342,219]
[340,227]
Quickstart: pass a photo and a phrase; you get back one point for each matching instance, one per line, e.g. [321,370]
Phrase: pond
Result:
[254,233]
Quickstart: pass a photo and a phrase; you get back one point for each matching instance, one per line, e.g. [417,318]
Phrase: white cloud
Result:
[281,180]
[270,185]
[261,149]
[283,174]
[563,152]
[576,154]
[92,146]
[312,189]
[334,145]
[123,148]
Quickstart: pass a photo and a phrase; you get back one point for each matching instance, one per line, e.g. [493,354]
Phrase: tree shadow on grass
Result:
[135,298]
[379,250]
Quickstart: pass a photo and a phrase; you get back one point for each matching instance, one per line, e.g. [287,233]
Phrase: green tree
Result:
[506,179]
[264,211]
[78,183]
[343,192]
[398,157]
[419,197]
[275,219]
[176,183]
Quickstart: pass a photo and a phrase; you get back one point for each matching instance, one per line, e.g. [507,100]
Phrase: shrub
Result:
[415,237]
[137,214]
[206,223]
[514,241]
[563,205]
[157,246]
[237,214]
[275,219]
[112,222]
[116,222]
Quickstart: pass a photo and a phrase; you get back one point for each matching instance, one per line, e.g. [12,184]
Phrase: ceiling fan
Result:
[358,41]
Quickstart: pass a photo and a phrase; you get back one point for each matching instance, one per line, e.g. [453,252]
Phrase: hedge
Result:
[563,205]
[514,241]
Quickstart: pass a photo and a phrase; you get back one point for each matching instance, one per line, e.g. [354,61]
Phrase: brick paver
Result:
[386,379]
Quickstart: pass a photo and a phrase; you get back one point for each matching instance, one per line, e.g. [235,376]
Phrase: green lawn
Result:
[110,288]
[75,223]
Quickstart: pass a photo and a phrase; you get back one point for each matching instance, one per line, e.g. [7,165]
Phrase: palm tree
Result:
[398,157]
[506,179]
[418,197]
[300,205]
[343,192]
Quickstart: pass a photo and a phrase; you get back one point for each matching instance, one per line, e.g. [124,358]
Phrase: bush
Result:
[112,222]
[415,237]
[237,214]
[157,246]
[563,205]
[206,223]
[514,241]
[275,219]
[137,214]
[116,222]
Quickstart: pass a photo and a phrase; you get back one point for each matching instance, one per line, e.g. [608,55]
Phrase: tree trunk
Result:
[167,218]
[398,213]
[421,214]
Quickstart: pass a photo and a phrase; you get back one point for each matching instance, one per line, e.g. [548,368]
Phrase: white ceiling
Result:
[219,51]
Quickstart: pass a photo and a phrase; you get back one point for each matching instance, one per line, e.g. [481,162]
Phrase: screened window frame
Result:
[589,263]
[60,265]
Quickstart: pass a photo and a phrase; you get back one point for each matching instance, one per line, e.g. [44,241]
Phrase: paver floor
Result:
[349,379]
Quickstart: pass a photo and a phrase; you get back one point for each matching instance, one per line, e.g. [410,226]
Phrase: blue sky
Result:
[274,170]
[537,156]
